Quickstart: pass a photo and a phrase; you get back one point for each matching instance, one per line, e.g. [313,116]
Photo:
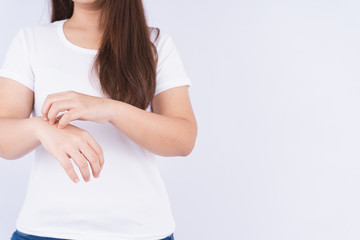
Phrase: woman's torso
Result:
[128,201]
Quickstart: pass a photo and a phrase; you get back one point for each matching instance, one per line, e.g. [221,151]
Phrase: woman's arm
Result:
[168,131]
[17,130]
[18,136]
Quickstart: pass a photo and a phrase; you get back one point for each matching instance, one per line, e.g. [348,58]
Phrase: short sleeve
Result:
[16,64]
[170,70]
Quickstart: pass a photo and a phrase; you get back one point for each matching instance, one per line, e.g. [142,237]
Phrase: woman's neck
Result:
[85,18]
[82,28]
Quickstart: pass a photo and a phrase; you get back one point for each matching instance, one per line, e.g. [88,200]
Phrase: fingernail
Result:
[76,180]
[45,118]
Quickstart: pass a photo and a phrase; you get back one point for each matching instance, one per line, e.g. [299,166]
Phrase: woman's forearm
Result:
[162,135]
[18,136]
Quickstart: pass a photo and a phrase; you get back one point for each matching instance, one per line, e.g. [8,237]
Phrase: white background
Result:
[276,94]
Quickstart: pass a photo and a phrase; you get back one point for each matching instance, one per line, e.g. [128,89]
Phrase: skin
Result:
[83,27]
[170,130]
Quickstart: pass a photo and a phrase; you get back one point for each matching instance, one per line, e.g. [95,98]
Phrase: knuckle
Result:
[77,140]
[67,166]
[84,135]
[83,164]
[68,147]
[67,115]
[92,158]
[55,105]
[53,110]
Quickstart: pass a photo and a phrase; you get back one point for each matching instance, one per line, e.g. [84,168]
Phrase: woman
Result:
[110,93]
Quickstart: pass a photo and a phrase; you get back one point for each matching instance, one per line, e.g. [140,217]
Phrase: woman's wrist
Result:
[36,125]
[112,108]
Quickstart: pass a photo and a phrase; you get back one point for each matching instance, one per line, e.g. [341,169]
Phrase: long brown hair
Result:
[126,61]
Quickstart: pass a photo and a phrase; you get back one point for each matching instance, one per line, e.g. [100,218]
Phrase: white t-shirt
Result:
[129,200]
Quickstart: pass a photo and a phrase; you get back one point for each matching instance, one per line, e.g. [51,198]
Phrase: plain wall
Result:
[276,94]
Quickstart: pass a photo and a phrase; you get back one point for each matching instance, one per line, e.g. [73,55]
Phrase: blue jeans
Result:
[17,235]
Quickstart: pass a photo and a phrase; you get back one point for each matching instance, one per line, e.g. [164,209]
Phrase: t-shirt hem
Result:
[17,77]
[174,83]
[91,236]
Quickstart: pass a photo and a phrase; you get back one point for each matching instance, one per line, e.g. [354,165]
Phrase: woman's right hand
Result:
[72,142]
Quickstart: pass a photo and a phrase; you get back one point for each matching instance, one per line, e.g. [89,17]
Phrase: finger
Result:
[60,116]
[71,115]
[92,158]
[57,107]
[94,145]
[82,164]
[51,98]
[68,167]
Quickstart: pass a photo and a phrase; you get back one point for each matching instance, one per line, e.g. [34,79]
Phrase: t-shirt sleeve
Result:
[16,64]
[170,69]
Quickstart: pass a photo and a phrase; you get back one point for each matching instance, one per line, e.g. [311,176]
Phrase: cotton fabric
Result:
[129,200]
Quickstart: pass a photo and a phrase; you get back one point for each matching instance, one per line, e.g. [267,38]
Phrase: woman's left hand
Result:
[79,106]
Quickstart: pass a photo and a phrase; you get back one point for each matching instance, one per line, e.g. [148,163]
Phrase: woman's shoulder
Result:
[29,34]
[40,28]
